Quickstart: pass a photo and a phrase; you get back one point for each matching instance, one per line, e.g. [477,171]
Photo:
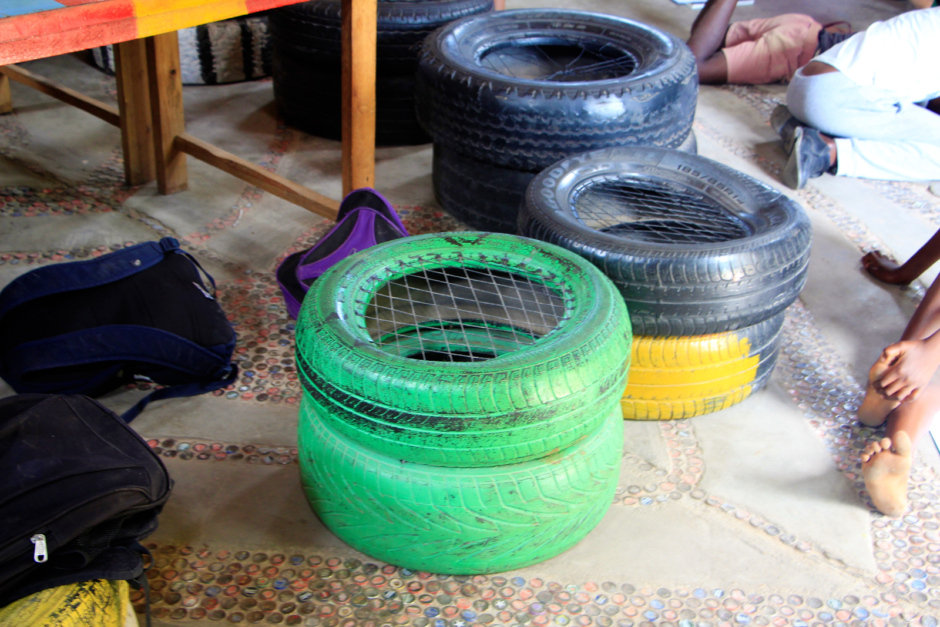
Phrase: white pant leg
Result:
[884,138]
[890,160]
[840,107]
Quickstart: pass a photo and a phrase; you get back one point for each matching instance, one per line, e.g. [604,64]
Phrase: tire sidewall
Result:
[766,210]
[655,104]
[507,516]
[565,382]
[681,288]
[459,46]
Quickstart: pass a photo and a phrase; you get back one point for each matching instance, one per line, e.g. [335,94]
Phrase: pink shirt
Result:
[768,50]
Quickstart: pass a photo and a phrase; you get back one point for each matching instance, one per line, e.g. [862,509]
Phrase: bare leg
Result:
[880,267]
[886,463]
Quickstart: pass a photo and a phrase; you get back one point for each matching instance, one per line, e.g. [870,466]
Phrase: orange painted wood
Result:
[130,58]
[161,16]
[258,176]
[359,41]
[166,105]
[6,100]
[90,24]
[69,96]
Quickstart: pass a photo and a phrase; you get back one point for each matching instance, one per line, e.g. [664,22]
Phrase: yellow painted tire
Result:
[681,377]
[96,603]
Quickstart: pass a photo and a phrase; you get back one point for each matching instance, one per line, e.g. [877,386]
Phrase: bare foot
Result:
[885,270]
[875,408]
[885,469]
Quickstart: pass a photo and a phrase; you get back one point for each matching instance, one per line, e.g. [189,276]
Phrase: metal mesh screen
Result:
[558,61]
[654,211]
[459,314]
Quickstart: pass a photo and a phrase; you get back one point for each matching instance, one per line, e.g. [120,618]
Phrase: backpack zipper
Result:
[39,553]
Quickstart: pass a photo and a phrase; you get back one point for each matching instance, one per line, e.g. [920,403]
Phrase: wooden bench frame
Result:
[150,113]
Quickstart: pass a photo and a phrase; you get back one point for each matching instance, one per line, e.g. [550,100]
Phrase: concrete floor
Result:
[753,515]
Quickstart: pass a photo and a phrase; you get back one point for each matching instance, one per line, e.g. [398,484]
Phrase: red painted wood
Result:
[263,5]
[30,25]
[67,41]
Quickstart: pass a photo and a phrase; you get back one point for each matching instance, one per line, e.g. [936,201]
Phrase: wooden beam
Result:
[360,23]
[130,59]
[258,176]
[69,96]
[166,106]
[6,100]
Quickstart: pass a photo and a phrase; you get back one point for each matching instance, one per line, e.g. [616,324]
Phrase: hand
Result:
[911,366]
[885,270]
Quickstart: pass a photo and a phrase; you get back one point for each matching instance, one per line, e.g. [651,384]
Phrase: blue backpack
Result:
[142,313]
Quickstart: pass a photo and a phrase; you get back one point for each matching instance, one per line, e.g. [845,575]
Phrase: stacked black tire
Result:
[307,51]
[707,260]
[506,94]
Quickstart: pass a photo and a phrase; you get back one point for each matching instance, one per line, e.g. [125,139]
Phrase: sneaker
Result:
[809,157]
[784,123]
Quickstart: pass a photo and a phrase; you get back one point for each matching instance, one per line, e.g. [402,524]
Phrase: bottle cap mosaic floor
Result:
[754,516]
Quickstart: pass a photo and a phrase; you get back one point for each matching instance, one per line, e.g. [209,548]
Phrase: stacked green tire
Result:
[501,455]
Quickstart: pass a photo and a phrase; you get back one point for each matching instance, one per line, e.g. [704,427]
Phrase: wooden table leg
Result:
[359,41]
[130,60]
[6,101]
[166,105]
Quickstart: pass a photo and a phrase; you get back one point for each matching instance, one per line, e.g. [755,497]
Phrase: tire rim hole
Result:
[655,211]
[461,314]
[452,356]
[558,60]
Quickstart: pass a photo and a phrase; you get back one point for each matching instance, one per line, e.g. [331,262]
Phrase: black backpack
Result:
[79,489]
[141,313]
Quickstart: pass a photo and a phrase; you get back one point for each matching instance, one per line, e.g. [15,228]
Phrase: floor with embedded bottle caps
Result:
[755,515]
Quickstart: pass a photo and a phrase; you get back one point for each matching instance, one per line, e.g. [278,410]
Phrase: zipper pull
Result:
[39,553]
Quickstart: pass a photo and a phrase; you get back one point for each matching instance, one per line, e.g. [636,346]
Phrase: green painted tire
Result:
[458,521]
[522,403]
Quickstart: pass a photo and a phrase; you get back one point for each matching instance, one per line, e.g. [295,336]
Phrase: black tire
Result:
[484,197]
[529,123]
[464,349]
[313,30]
[487,197]
[311,101]
[690,145]
[715,250]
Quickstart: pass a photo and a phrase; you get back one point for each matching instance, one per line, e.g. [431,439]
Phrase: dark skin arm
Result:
[887,271]
[707,39]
